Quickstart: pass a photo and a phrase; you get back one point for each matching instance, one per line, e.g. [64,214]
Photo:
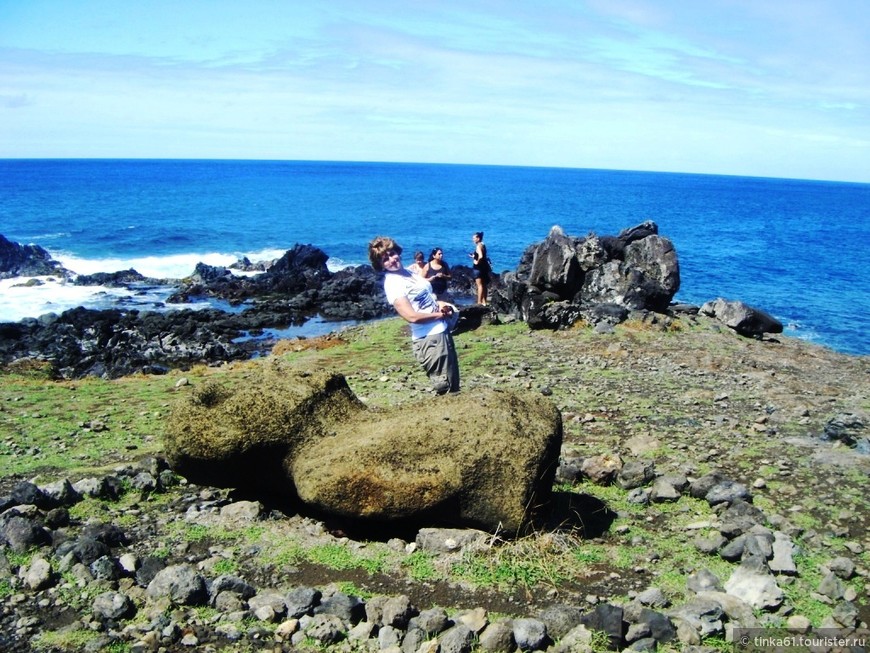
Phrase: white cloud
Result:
[732,87]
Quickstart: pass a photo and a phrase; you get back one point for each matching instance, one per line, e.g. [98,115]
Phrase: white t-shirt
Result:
[418,291]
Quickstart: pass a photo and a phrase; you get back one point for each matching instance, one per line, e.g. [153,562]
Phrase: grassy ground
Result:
[689,399]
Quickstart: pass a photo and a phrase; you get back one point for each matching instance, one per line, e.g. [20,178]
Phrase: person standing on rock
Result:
[430,320]
[482,267]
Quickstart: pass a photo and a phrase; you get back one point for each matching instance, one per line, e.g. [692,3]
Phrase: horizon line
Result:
[427,163]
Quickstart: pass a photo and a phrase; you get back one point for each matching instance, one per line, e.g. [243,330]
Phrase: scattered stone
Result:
[711,544]
[38,575]
[326,629]
[577,640]
[114,606]
[446,540]
[704,580]
[458,639]
[476,620]
[701,618]
[848,428]
[301,601]
[653,597]
[727,492]
[832,587]
[350,609]
[701,486]
[782,561]
[737,610]
[665,489]
[635,474]
[798,624]
[744,319]
[498,637]
[560,619]
[606,618]
[242,511]
[755,585]
[842,567]
[601,470]
[268,605]
[642,444]
[529,634]
[180,583]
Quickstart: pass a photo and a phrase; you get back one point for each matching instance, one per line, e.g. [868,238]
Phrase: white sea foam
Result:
[175,266]
[334,264]
[22,297]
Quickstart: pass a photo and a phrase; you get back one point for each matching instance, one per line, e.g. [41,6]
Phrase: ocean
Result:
[797,249]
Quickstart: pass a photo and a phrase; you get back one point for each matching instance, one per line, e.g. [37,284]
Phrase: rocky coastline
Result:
[601,281]
[729,472]
[116,342]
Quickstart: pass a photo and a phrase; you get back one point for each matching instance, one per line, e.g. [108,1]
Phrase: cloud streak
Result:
[726,87]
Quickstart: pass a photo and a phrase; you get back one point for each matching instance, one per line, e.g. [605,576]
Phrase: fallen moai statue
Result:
[482,458]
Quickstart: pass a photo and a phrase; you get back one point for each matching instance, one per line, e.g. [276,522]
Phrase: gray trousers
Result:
[438,357]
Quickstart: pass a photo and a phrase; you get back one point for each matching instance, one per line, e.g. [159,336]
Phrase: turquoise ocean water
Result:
[797,249]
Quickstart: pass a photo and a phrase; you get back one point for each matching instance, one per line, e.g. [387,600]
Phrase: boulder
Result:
[482,458]
[647,278]
[744,319]
[848,428]
[561,279]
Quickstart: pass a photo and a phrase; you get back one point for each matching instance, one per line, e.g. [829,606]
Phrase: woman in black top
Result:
[437,272]
[482,269]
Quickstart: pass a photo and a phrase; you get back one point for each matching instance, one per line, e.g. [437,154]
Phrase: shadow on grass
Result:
[580,514]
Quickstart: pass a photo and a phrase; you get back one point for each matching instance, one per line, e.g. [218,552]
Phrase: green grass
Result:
[283,554]
[225,568]
[66,640]
[72,424]
[352,589]
[421,566]
[340,557]
[525,563]
[51,417]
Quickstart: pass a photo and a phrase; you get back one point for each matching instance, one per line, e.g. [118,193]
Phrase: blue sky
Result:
[777,88]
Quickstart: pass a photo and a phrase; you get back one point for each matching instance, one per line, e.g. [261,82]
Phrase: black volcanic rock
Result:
[561,279]
[27,261]
[113,279]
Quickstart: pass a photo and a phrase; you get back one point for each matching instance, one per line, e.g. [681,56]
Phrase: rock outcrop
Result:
[484,459]
[564,279]
[114,342]
[18,260]
[299,280]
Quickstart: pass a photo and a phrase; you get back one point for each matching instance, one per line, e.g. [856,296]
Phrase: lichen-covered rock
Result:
[482,458]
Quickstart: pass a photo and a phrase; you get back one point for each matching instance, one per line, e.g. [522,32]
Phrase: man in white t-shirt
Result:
[430,320]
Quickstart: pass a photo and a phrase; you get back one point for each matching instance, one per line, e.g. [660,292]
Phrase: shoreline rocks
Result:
[18,260]
[558,282]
